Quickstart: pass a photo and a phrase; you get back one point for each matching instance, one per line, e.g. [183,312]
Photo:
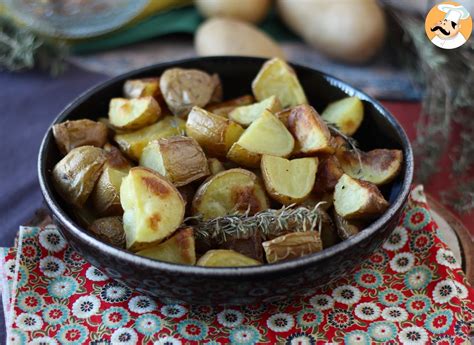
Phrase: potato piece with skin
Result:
[226,258]
[329,172]
[133,114]
[252,11]
[292,246]
[185,88]
[310,131]
[347,228]
[329,235]
[289,181]
[115,158]
[153,208]
[251,246]
[218,92]
[178,158]
[135,88]
[283,116]
[105,198]
[214,133]
[346,114]
[72,134]
[224,108]
[133,143]
[277,78]
[246,114]
[357,199]
[178,249]
[110,230]
[324,200]
[234,190]
[215,166]
[75,176]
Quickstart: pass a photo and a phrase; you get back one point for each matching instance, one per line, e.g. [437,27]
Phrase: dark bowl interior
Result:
[247,284]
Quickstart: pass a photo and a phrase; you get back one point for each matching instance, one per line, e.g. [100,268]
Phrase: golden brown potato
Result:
[379,166]
[105,198]
[310,131]
[115,158]
[178,249]
[347,228]
[153,208]
[178,158]
[72,134]
[289,181]
[246,114]
[291,246]
[234,190]
[226,258]
[214,133]
[132,144]
[135,113]
[185,88]
[136,88]
[110,230]
[356,199]
[224,108]
[277,78]
[215,166]
[346,114]
[283,116]
[329,172]
[75,176]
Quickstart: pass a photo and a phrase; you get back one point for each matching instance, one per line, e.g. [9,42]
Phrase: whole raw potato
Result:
[351,31]
[225,36]
[252,11]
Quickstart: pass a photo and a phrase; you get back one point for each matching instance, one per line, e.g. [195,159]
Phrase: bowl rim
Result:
[217,272]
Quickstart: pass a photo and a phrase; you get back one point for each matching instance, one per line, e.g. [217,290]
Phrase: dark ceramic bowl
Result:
[239,285]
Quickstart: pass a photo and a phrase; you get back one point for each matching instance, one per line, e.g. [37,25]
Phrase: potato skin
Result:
[346,228]
[105,198]
[110,230]
[224,108]
[292,246]
[115,158]
[329,172]
[72,134]
[251,246]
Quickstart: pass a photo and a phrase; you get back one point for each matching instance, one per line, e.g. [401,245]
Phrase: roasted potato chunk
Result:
[226,258]
[329,172]
[310,131]
[347,228]
[185,88]
[266,135]
[132,144]
[325,200]
[136,88]
[178,249]
[218,92]
[356,199]
[246,114]
[289,181]
[328,232]
[72,134]
[115,158]
[283,116]
[379,166]
[153,208]
[214,133]
[215,166]
[105,198]
[234,190]
[110,230]
[251,246]
[133,114]
[277,78]
[224,108]
[291,246]
[75,176]
[347,114]
[179,158]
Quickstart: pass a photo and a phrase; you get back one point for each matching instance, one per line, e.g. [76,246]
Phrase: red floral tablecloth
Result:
[411,291]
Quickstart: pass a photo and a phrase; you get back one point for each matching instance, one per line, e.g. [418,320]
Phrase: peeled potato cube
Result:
[356,199]
[136,88]
[132,144]
[329,172]
[289,181]
[292,246]
[310,131]
[153,208]
[132,114]
[224,108]
[277,78]
[214,133]
[110,230]
[226,258]
[105,197]
[178,249]
[178,158]
[75,176]
[347,228]
[72,134]
[230,191]
[215,166]
[246,114]
[346,114]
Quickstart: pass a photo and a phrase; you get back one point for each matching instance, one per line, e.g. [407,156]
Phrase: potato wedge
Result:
[110,230]
[153,208]
[178,249]
[215,166]
[105,198]
[178,158]
[115,158]
[289,181]
[292,246]
[347,114]
[72,134]
[132,144]
[379,166]
[224,108]
[277,78]
[136,88]
[234,190]
[226,258]
[133,114]
[347,228]
[214,133]
[266,135]
[185,88]
[246,114]
[75,176]
[356,199]
[329,172]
